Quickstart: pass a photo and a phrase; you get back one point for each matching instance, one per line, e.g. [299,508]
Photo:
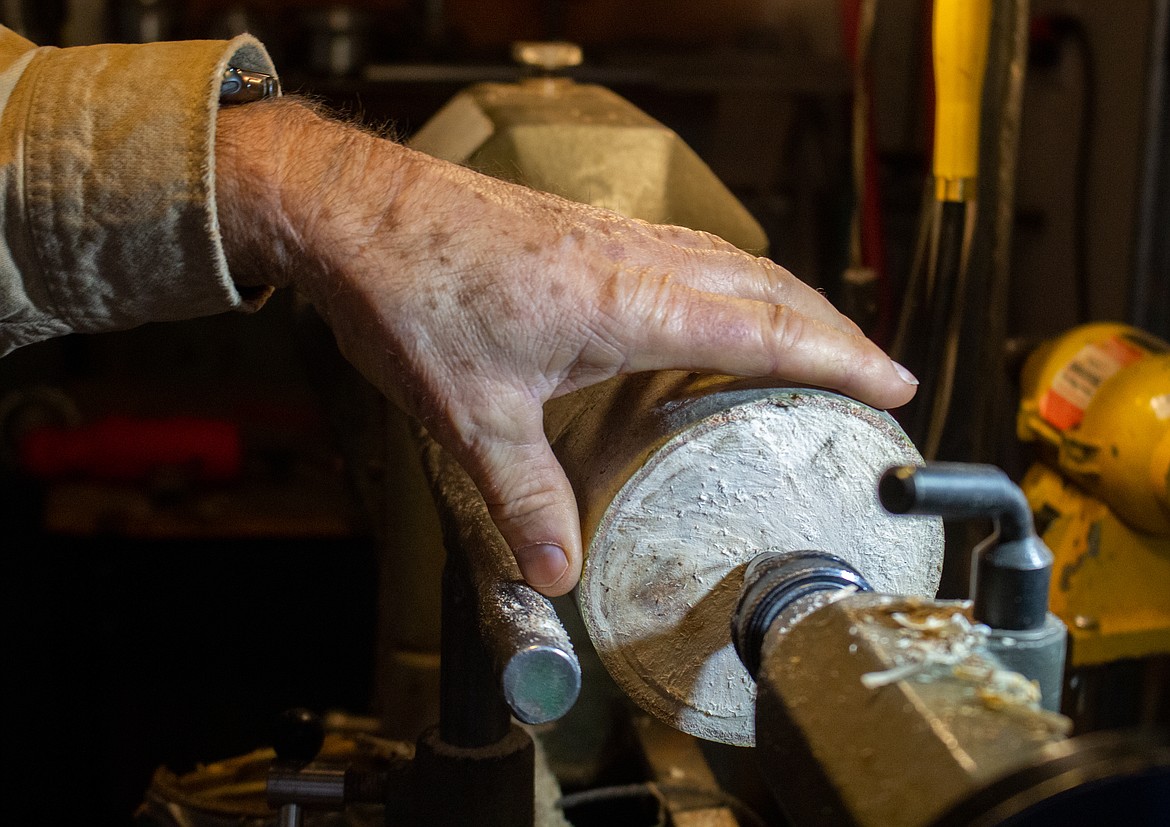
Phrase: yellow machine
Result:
[1097,402]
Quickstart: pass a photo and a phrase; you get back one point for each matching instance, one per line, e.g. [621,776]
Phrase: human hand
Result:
[471,302]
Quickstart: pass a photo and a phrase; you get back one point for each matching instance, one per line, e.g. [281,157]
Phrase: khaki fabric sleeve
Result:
[107,186]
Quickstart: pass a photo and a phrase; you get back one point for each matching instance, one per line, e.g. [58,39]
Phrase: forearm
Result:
[301,196]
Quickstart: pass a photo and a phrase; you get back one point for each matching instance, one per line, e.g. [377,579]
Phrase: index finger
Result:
[689,329]
[736,274]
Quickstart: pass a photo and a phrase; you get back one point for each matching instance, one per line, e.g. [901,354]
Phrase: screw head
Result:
[1086,623]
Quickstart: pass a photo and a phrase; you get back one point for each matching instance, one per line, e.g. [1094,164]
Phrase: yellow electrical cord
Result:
[962,29]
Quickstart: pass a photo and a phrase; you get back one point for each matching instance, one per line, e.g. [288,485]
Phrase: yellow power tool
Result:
[1096,401]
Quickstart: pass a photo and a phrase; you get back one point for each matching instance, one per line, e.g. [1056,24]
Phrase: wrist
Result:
[297,192]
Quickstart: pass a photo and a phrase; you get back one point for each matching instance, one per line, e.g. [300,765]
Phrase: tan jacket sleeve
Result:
[107,185]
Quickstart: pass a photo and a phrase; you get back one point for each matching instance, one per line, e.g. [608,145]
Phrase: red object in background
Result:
[123,449]
[873,246]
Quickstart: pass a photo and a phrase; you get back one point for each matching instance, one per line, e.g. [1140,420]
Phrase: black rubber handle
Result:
[1014,566]
[961,491]
[298,736]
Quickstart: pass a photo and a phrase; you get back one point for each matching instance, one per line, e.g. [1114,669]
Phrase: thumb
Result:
[531,502]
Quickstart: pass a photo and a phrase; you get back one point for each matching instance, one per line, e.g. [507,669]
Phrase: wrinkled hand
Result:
[471,302]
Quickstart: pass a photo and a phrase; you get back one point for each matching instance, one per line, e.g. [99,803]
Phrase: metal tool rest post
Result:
[504,654]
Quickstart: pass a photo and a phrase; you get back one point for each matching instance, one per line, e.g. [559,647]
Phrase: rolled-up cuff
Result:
[119,182]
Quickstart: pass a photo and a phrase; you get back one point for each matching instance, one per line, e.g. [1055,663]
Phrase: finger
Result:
[528,496]
[733,273]
[694,330]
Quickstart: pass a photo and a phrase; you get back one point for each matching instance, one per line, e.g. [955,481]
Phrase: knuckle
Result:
[630,297]
[521,501]
[786,327]
[711,240]
[784,284]
[520,493]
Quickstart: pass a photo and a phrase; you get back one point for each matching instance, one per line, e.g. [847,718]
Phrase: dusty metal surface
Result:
[532,656]
[681,481]
[886,711]
[587,144]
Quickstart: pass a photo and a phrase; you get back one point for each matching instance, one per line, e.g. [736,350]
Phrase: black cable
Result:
[915,291]
[1072,30]
[1006,76]
[1084,164]
[941,324]
[1149,299]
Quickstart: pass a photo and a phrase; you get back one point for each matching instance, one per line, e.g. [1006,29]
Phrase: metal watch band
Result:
[243,86]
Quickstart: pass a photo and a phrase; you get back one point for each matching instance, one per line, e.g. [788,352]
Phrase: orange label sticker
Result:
[1063,405]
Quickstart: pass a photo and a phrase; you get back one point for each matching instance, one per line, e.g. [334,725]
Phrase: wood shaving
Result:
[929,639]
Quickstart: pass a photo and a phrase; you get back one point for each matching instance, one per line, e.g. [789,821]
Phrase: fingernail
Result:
[907,377]
[542,564]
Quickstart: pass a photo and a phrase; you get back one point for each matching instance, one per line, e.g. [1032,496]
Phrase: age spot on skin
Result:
[616,250]
[388,222]
[438,240]
[472,292]
[483,289]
